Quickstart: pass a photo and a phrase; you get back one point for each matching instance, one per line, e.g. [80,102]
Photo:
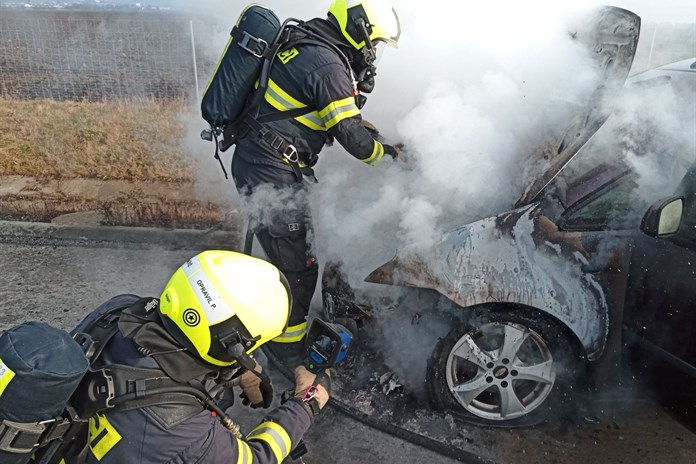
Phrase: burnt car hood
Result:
[611,35]
[517,257]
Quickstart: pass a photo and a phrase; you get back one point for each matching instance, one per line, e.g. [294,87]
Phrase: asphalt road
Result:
[58,282]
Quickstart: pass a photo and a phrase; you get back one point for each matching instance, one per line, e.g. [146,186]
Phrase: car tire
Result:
[506,368]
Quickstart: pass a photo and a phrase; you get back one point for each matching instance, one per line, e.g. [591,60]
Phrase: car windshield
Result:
[640,155]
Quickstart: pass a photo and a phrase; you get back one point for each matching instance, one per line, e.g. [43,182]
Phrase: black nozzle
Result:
[241,356]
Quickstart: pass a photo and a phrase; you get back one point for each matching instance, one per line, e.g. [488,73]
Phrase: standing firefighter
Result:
[274,156]
[163,358]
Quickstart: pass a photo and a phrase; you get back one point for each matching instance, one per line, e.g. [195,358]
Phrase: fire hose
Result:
[388,428]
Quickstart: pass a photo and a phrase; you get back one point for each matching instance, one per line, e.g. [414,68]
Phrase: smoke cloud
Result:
[471,92]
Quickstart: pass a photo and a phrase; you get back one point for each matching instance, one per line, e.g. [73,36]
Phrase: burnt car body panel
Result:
[611,34]
[497,260]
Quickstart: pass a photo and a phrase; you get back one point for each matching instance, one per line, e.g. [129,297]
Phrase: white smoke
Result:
[469,91]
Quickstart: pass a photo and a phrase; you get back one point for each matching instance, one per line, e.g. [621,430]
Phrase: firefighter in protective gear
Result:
[214,303]
[329,81]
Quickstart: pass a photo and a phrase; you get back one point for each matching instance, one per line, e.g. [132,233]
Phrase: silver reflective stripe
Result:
[293,334]
[244,453]
[277,439]
[337,113]
[289,106]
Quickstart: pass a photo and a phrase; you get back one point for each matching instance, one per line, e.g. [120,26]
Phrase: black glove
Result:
[392,150]
[256,392]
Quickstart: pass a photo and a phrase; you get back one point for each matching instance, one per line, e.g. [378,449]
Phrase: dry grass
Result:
[115,140]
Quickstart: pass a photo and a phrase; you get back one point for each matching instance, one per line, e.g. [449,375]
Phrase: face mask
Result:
[364,67]
[366,79]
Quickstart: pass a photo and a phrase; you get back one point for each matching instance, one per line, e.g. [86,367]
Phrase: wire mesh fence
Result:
[86,55]
[106,55]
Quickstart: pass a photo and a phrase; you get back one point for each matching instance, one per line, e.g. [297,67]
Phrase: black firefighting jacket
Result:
[314,77]
[185,433]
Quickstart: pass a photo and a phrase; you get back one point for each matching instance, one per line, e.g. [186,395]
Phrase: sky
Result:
[679,11]
[649,10]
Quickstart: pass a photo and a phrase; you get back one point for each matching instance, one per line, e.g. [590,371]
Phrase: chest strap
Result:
[285,150]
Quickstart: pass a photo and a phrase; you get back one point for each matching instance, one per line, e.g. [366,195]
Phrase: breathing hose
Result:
[199,395]
[390,429]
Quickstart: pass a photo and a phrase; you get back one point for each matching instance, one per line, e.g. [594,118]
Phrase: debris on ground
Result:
[390,383]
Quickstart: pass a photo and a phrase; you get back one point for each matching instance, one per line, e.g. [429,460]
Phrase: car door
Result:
[660,312]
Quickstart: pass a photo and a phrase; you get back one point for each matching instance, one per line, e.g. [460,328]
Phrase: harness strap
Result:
[289,36]
[104,387]
[217,153]
[278,143]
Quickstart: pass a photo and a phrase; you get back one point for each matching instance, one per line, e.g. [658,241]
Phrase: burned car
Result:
[548,293]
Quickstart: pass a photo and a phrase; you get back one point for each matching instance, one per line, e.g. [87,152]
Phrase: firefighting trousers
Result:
[280,217]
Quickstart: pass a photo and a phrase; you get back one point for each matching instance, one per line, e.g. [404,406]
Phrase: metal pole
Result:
[195,67]
[652,45]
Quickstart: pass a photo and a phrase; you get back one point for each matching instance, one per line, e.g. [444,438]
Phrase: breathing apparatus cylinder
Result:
[40,368]
[239,66]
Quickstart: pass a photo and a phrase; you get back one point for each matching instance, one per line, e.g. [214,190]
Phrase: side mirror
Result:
[663,218]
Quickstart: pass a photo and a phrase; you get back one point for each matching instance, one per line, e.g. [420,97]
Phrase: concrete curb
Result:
[166,238]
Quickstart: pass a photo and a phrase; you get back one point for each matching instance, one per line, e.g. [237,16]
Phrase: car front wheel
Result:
[504,368]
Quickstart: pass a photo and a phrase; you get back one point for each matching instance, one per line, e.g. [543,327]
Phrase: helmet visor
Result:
[385,25]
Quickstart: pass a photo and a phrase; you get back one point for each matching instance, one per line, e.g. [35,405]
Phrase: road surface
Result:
[59,282]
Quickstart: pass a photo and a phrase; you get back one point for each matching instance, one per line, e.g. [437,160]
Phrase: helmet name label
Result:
[212,303]
[205,294]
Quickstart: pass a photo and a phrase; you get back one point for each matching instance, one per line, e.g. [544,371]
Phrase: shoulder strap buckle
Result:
[260,46]
[21,438]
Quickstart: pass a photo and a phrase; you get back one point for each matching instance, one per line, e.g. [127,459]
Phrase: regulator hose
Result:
[390,429]
[203,398]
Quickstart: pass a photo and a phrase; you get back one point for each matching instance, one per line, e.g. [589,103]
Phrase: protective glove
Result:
[393,150]
[303,386]
[256,392]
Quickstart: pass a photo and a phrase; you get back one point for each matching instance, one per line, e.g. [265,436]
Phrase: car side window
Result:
[616,207]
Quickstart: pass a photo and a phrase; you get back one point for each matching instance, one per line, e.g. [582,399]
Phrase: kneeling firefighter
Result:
[319,81]
[156,364]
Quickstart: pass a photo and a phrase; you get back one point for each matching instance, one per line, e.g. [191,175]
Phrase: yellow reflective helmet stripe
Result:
[377,153]
[244,455]
[274,436]
[338,110]
[283,101]
[293,334]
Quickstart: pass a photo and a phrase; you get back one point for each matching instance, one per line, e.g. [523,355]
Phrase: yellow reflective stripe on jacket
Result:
[377,153]
[244,455]
[275,436]
[283,101]
[293,334]
[102,436]
[338,110]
